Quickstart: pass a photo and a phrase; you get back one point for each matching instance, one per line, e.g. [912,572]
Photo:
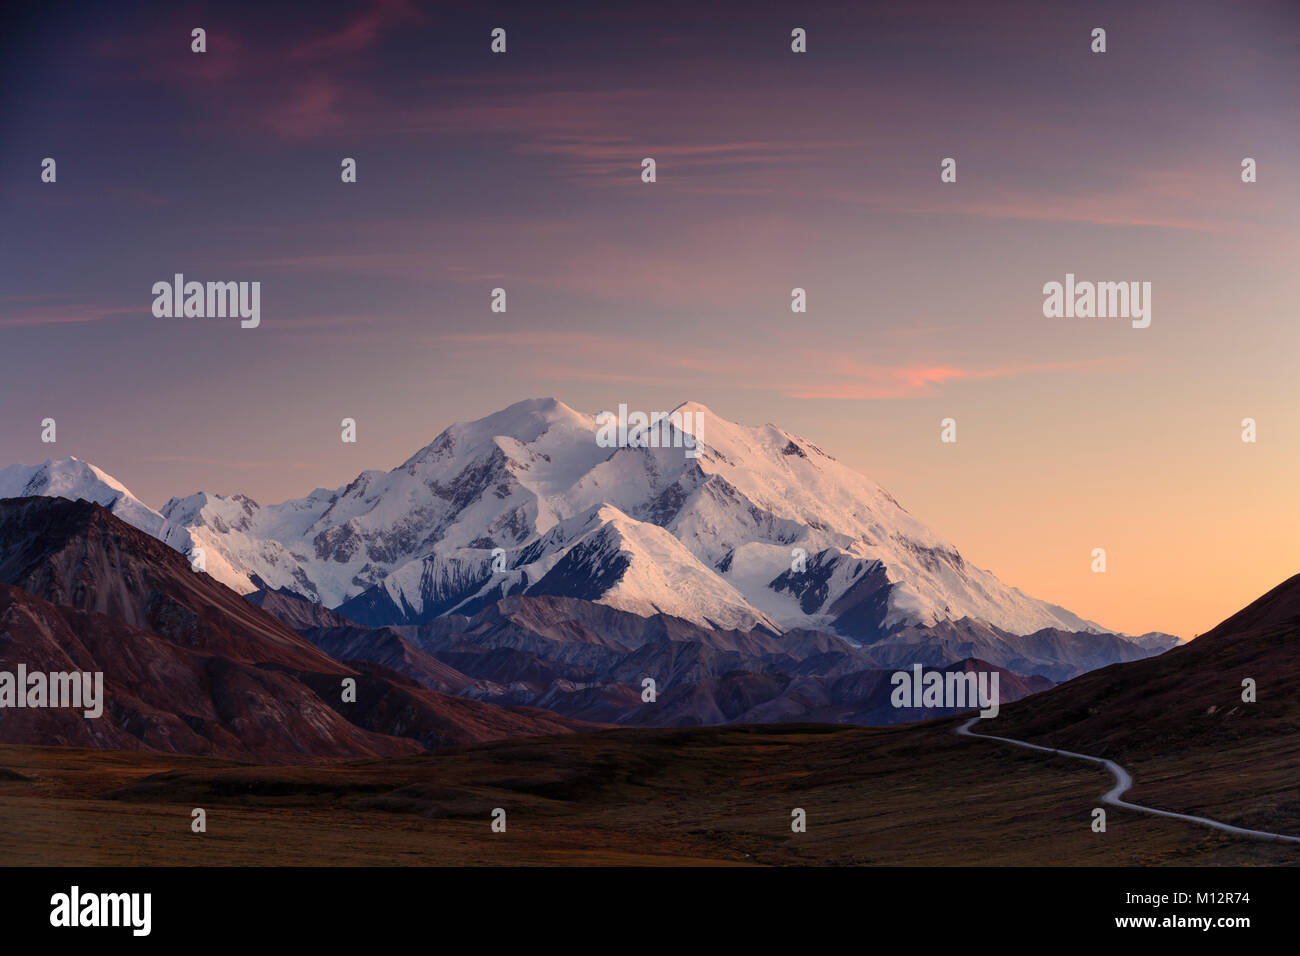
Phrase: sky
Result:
[774,170]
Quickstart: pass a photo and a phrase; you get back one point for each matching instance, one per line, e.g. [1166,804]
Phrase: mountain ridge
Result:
[715,539]
[589,661]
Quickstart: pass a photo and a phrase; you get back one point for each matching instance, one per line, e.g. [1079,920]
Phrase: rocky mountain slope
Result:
[188,665]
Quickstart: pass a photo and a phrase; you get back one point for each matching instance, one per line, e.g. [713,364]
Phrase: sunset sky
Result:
[775,170]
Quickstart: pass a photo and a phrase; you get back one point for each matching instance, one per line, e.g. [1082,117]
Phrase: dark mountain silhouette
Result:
[1189,698]
[589,661]
[189,665]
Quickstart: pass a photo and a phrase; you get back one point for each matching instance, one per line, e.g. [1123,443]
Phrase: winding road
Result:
[1123,781]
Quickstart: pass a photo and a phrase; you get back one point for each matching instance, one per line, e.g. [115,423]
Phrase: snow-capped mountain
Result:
[706,538]
[73,478]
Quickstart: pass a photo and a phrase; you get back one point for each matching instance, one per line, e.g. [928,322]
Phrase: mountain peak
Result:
[754,525]
[525,415]
[73,478]
[1280,606]
[525,421]
[693,407]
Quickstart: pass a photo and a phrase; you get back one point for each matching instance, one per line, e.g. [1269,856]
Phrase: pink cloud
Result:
[69,315]
[1191,198]
[232,462]
[619,159]
[916,380]
[361,33]
[594,356]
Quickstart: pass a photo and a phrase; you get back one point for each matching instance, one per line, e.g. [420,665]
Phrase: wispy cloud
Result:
[848,380]
[69,315]
[276,464]
[799,374]
[615,161]
[363,32]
